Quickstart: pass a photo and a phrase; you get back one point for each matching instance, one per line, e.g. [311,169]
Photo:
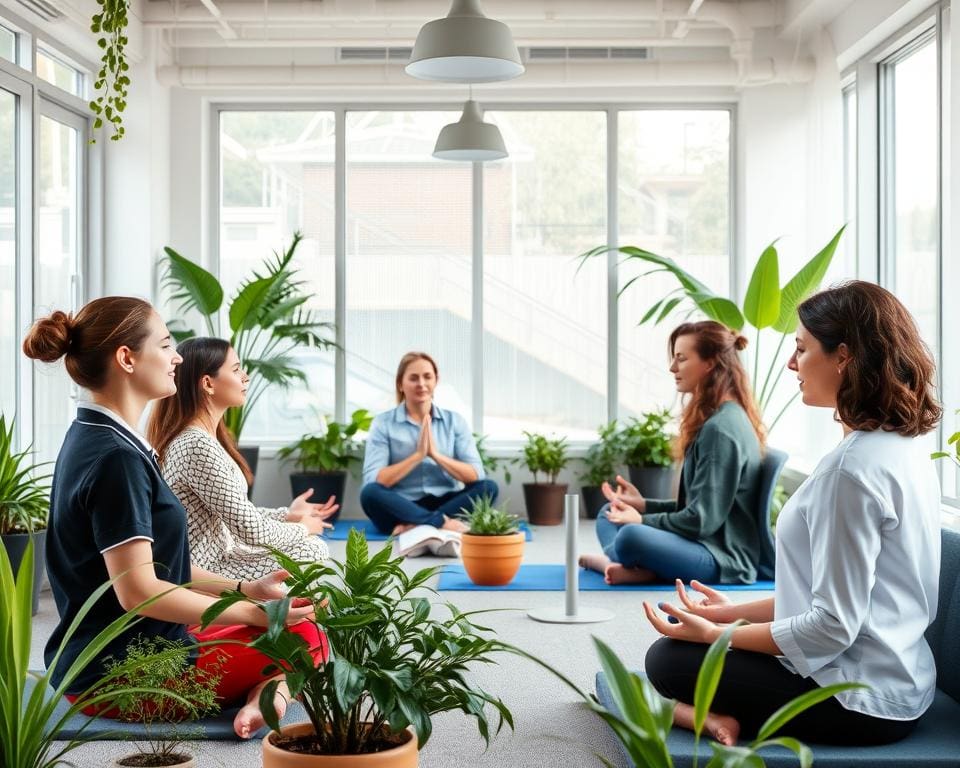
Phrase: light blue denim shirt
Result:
[393,437]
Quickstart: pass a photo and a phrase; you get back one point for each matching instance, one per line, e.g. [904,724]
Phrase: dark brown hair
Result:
[888,382]
[89,339]
[412,357]
[202,356]
[717,344]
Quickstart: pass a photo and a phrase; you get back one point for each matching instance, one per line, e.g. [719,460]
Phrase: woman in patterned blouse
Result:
[201,463]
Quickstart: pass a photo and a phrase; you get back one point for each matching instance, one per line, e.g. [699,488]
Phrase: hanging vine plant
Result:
[111,83]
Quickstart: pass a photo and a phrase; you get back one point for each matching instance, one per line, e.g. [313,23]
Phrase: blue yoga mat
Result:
[342,529]
[550,578]
[218,728]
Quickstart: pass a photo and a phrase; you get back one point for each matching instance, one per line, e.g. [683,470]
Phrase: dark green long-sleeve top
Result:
[719,486]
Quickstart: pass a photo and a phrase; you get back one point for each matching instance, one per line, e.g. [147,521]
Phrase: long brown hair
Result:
[89,339]
[716,344]
[412,357]
[202,356]
[888,382]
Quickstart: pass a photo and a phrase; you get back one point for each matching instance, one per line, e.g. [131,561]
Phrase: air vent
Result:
[375,54]
[558,53]
[42,8]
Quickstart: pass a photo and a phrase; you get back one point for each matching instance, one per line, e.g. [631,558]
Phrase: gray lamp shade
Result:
[470,138]
[465,47]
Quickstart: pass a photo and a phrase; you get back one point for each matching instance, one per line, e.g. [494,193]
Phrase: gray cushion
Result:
[944,634]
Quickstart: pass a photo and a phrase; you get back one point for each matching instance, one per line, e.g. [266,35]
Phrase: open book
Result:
[427,540]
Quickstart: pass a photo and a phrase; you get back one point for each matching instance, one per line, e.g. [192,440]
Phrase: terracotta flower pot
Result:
[544,502]
[492,561]
[404,756]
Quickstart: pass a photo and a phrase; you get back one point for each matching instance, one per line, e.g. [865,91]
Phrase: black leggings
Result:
[754,686]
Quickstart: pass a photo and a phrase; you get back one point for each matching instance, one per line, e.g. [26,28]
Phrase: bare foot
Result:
[402,528]
[452,524]
[620,574]
[250,719]
[723,728]
[596,563]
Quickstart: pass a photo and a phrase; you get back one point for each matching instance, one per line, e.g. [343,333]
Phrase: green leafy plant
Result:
[780,497]
[643,718]
[646,442]
[603,457]
[28,719]
[333,451]
[24,496]
[953,440]
[765,305]
[486,519]
[268,320]
[491,464]
[392,663]
[163,665]
[112,81]
[540,454]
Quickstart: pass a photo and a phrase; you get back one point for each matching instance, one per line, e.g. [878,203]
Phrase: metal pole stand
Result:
[571,614]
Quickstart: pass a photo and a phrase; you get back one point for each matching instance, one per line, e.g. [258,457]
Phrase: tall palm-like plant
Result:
[765,305]
[268,320]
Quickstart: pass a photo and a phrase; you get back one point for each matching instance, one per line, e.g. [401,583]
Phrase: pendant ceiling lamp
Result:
[470,138]
[465,47]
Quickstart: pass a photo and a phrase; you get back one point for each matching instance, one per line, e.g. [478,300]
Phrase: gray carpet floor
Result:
[552,726]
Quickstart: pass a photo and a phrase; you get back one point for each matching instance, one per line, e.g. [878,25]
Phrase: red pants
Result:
[240,667]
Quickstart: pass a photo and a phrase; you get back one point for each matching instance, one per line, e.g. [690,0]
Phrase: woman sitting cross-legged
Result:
[858,549]
[421,464]
[710,532]
[201,463]
[112,516]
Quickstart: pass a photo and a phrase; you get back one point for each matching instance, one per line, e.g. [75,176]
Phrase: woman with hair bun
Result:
[709,533]
[858,549]
[112,516]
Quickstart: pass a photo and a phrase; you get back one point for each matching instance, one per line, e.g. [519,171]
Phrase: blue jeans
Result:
[387,508]
[667,554]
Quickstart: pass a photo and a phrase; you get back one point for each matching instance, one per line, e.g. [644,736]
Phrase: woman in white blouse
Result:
[858,549]
[202,465]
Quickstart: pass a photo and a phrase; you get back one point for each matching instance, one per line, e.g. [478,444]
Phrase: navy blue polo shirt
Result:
[107,489]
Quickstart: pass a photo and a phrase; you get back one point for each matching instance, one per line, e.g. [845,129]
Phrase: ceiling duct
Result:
[591,53]
[375,54]
[45,10]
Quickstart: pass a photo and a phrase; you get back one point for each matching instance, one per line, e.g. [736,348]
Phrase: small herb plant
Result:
[644,718]
[485,519]
[541,454]
[603,457]
[491,464]
[112,81]
[162,665]
[392,662]
[646,442]
[24,496]
[953,440]
[333,451]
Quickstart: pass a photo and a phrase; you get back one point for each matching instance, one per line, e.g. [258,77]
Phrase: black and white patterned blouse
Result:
[227,532]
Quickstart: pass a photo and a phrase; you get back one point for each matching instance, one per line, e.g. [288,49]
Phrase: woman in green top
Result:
[709,532]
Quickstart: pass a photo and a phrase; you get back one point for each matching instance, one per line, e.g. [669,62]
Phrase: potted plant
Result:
[161,664]
[600,466]
[24,505]
[29,720]
[544,501]
[268,321]
[648,453]
[641,718]
[492,549]
[323,459]
[491,464]
[392,665]
[765,304]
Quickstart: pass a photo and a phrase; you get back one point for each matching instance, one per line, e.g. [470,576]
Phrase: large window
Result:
[276,179]
[8,44]
[54,68]
[9,350]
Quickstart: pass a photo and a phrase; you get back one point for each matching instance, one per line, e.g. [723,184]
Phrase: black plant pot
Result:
[251,454]
[16,546]
[593,500]
[653,482]
[544,502]
[324,484]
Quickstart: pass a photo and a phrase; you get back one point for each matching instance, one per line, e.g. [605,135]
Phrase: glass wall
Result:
[9,347]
